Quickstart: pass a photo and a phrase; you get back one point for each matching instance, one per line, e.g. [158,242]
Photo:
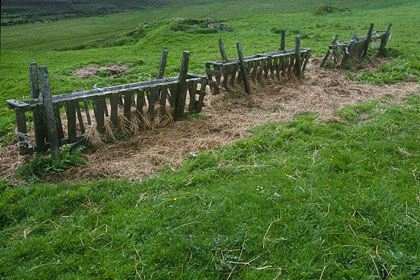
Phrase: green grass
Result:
[25,43]
[296,200]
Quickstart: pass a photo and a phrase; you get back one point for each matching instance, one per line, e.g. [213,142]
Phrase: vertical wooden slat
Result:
[200,102]
[152,96]
[298,64]
[182,88]
[39,128]
[223,51]
[384,40]
[254,67]
[71,121]
[85,104]
[233,77]
[49,113]
[162,103]
[127,105]
[22,131]
[283,40]
[368,38]
[192,90]
[162,64]
[261,64]
[59,125]
[114,110]
[225,76]
[80,118]
[243,69]
[139,107]
[99,114]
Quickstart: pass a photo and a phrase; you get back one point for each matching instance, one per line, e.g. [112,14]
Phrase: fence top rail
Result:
[375,36]
[258,57]
[27,105]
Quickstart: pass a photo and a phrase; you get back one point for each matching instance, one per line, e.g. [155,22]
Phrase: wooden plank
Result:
[368,38]
[192,90]
[114,110]
[384,40]
[22,132]
[223,51]
[127,105]
[99,114]
[233,77]
[79,117]
[49,113]
[260,70]
[40,133]
[60,131]
[254,67]
[243,69]
[152,97]
[298,64]
[86,106]
[162,103]
[71,121]
[162,64]
[225,76]
[200,102]
[283,40]
[139,107]
[182,88]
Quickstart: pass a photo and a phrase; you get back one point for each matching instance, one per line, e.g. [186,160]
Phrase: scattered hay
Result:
[229,119]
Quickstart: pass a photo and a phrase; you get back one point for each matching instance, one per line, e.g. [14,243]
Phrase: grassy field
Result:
[307,199]
[24,43]
[301,200]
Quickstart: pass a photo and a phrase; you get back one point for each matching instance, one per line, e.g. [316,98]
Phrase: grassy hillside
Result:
[21,44]
[302,200]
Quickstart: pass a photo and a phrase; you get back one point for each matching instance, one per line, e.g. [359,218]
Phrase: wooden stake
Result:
[162,64]
[181,94]
[49,113]
[223,51]
[298,64]
[369,36]
[243,69]
[283,40]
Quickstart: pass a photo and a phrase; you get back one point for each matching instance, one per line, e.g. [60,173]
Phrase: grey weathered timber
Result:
[384,40]
[283,40]
[49,113]
[99,114]
[37,112]
[223,51]
[22,132]
[152,97]
[192,90]
[139,107]
[127,105]
[298,64]
[162,103]
[200,102]
[182,87]
[71,121]
[58,123]
[114,110]
[243,69]
[80,117]
[162,64]
[369,37]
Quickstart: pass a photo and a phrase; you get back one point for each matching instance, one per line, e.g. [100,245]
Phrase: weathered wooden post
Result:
[37,111]
[49,113]
[223,51]
[243,69]
[369,36]
[162,64]
[333,47]
[181,93]
[298,65]
[384,40]
[283,40]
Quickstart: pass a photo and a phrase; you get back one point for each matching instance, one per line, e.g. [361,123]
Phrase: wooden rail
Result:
[280,64]
[356,47]
[175,96]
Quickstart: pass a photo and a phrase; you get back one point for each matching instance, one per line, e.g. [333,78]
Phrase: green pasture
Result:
[306,199]
[257,33]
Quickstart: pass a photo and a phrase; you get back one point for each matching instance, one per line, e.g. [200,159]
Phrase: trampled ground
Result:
[229,118]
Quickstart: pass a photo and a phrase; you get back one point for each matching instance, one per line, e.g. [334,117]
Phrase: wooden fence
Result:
[356,47]
[280,64]
[175,96]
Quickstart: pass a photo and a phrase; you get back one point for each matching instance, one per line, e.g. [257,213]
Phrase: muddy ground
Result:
[229,119]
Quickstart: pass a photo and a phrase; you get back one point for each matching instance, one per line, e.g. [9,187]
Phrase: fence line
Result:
[356,47]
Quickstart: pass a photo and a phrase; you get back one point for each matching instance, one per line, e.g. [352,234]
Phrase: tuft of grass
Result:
[41,166]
